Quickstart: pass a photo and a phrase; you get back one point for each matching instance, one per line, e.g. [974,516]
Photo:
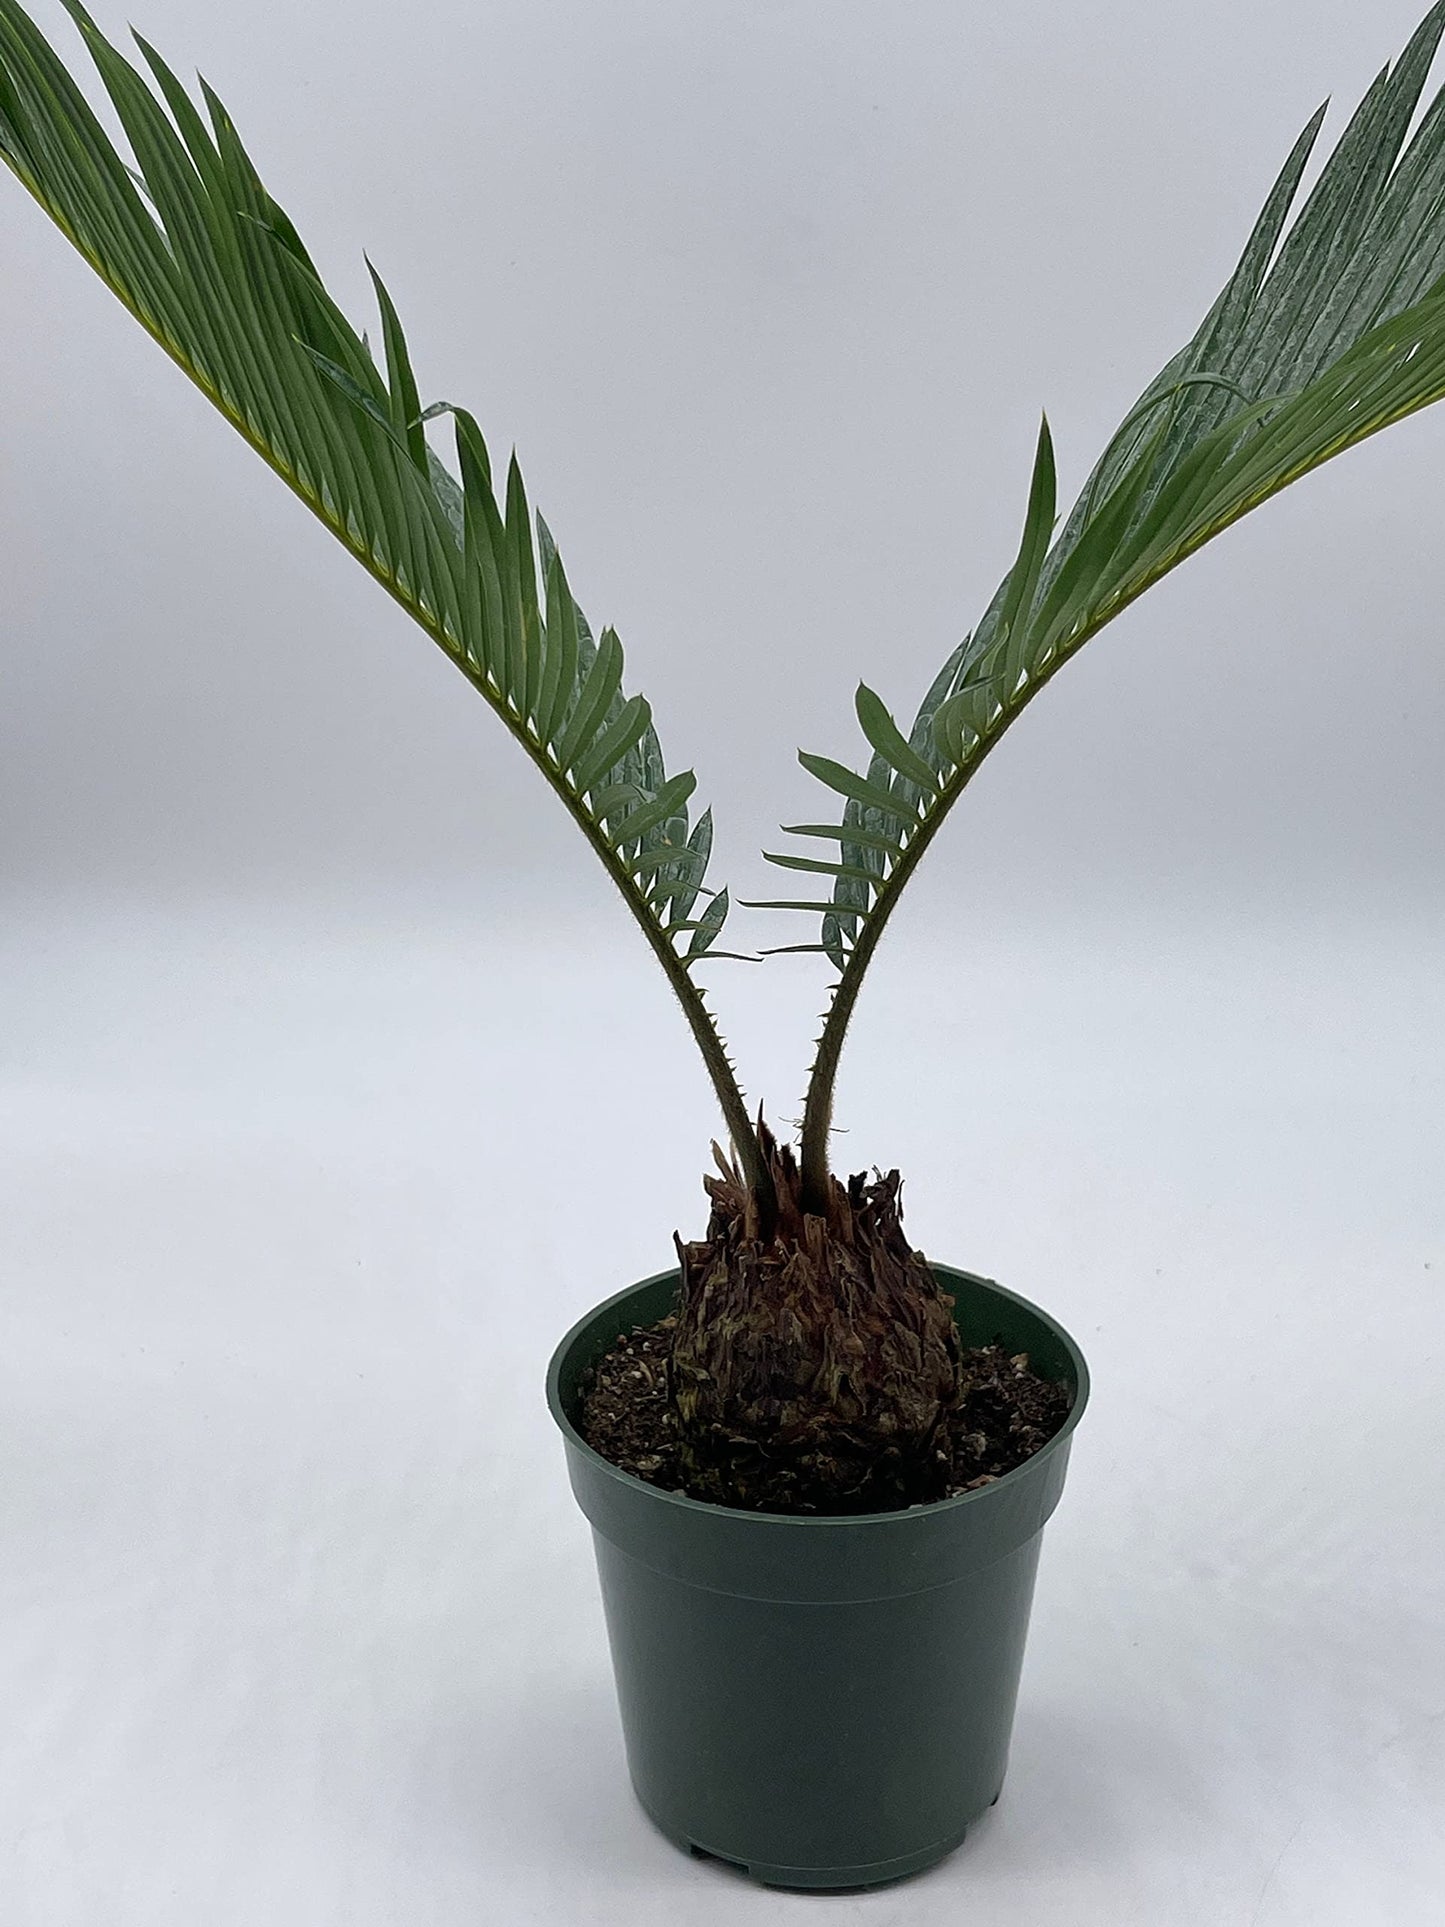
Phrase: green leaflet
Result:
[405,407]
[677,885]
[845,833]
[598,685]
[891,744]
[847,783]
[708,926]
[669,799]
[613,742]
[785,903]
[818,868]
[1023,577]
[559,677]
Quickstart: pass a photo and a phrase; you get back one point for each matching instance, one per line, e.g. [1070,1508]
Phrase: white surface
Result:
[299,1619]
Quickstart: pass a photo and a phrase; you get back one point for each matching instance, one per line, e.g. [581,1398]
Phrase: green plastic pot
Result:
[823,1702]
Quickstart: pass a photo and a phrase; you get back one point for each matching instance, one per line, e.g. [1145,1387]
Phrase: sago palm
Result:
[814,1361]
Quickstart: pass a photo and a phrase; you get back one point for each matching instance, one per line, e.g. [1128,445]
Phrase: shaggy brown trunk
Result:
[815,1362]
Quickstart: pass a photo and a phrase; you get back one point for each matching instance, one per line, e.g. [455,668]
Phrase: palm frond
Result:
[1317,341]
[194,245]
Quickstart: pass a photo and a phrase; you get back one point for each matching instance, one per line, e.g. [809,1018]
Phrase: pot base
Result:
[876,1873]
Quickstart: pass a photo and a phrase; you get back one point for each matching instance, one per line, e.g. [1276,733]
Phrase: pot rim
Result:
[933,1509]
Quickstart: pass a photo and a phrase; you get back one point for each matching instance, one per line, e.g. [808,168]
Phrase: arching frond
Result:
[197,249]
[1316,342]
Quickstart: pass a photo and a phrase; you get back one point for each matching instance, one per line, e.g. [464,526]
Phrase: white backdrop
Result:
[335,1087]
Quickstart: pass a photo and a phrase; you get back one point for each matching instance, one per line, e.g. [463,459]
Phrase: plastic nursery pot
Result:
[823,1702]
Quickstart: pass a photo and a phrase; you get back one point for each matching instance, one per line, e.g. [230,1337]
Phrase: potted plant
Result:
[817,1466]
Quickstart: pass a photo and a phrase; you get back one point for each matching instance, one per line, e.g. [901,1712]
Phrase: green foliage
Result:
[209,263]
[1322,336]
[1315,343]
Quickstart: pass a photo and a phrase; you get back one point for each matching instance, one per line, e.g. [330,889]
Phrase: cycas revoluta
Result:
[815,1359]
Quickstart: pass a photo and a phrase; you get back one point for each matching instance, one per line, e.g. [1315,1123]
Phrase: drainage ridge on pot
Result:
[824,1701]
